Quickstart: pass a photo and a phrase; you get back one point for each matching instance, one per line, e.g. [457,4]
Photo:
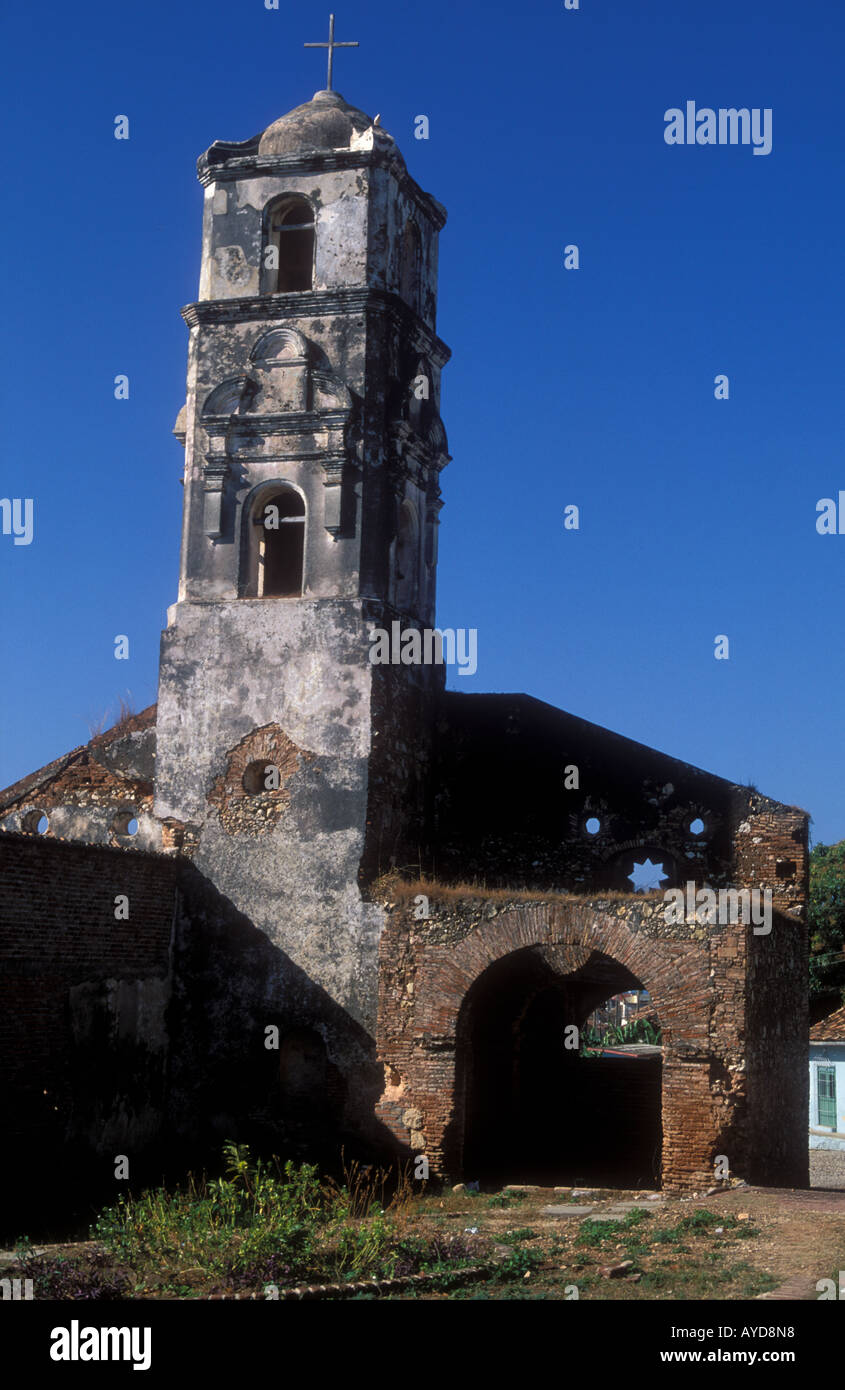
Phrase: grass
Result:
[391,885]
[113,724]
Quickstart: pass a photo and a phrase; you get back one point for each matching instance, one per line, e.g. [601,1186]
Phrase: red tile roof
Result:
[830,1029]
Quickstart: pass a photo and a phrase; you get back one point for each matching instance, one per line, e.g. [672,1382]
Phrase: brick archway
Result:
[530,1109]
[429,969]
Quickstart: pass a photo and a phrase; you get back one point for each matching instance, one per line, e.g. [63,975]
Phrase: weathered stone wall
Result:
[233,223]
[301,668]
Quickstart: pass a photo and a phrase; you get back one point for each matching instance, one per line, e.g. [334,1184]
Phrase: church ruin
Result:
[248,911]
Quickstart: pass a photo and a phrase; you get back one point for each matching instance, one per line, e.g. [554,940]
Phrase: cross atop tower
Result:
[331,46]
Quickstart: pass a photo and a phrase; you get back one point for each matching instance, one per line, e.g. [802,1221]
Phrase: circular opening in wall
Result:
[593,826]
[261,776]
[125,823]
[35,823]
[697,826]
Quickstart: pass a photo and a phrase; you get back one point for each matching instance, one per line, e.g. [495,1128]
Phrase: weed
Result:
[85,1276]
[522,1233]
[517,1264]
[593,1232]
[225,1227]
[505,1200]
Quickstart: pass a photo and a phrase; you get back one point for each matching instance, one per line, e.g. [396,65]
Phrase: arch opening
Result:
[538,1104]
[288,261]
[275,560]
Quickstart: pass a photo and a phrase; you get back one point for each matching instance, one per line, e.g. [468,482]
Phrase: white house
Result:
[827,1082]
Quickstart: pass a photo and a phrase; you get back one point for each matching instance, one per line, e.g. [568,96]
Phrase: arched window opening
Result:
[289,251]
[277,546]
[411,272]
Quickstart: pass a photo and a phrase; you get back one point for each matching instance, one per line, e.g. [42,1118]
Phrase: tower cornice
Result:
[315,304]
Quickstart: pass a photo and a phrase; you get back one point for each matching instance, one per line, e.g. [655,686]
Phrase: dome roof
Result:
[327,122]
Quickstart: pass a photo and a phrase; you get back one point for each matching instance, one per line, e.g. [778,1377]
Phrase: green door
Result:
[827,1096]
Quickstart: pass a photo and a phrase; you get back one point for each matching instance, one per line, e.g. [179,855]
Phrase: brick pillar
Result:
[689,1125]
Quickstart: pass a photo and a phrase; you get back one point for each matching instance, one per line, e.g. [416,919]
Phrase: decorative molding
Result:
[265,426]
[312,304]
[215,475]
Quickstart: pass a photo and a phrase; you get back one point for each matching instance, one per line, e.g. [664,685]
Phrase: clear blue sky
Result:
[592,387]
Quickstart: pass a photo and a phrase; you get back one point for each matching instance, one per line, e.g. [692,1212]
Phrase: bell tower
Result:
[289,765]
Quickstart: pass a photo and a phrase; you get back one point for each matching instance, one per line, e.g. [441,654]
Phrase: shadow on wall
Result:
[169,1108]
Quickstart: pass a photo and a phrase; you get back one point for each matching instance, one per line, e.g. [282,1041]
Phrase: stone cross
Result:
[331,46]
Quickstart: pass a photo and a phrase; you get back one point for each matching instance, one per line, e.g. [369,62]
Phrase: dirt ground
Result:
[777,1243]
[827,1168]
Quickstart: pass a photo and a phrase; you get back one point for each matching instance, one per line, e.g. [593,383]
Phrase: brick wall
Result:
[83,995]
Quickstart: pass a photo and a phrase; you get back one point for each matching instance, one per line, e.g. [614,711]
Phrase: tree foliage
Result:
[826,918]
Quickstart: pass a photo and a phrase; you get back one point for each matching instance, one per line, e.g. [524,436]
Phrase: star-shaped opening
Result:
[646,877]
